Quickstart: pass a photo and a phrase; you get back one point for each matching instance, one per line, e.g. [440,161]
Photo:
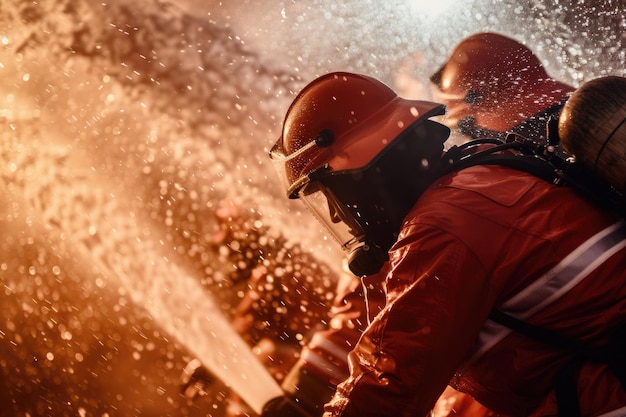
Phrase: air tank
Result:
[592,127]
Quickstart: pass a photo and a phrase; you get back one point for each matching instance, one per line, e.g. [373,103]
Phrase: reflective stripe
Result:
[620,412]
[313,360]
[312,355]
[555,283]
[320,342]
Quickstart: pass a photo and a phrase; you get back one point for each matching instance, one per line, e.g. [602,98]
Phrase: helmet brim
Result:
[361,144]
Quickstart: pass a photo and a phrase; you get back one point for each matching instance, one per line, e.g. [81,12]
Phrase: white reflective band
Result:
[320,342]
[555,283]
[569,272]
[313,360]
[312,356]
[620,412]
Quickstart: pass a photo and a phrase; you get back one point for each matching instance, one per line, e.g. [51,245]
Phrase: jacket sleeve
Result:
[323,362]
[438,299]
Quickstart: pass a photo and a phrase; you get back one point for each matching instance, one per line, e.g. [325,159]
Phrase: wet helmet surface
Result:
[494,82]
[354,152]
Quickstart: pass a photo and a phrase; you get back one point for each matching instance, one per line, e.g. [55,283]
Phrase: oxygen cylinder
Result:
[592,127]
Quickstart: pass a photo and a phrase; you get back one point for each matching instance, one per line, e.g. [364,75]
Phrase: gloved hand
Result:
[285,406]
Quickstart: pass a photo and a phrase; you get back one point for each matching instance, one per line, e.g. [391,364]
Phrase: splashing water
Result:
[118,164]
[127,252]
[96,175]
[184,310]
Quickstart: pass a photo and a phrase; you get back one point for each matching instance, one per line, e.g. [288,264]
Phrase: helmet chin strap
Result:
[367,260]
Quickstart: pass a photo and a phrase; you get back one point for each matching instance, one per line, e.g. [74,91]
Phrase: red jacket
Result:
[478,240]
[323,362]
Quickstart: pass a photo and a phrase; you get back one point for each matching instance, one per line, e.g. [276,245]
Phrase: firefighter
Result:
[482,62]
[453,247]
[492,85]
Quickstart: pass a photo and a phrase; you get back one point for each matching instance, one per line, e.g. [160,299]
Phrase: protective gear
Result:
[359,156]
[592,126]
[491,82]
[478,239]
[324,361]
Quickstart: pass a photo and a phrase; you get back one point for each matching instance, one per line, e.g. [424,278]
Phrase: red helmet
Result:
[359,156]
[496,82]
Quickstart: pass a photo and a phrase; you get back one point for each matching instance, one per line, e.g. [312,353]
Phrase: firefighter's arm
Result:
[438,299]
[323,363]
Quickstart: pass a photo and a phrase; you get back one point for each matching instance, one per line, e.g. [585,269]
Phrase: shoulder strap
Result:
[526,163]
[566,386]
[546,336]
[543,160]
[566,382]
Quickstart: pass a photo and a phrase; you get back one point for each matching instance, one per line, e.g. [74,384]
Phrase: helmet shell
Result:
[359,156]
[342,120]
[495,80]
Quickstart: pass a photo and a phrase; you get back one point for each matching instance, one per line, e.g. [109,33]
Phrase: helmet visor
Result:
[283,164]
[333,214]
[366,206]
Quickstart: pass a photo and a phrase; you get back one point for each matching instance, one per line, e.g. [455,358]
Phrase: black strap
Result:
[616,354]
[566,389]
[549,163]
[613,354]
[528,163]
[548,336]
